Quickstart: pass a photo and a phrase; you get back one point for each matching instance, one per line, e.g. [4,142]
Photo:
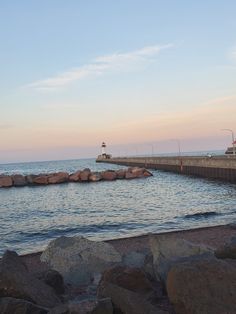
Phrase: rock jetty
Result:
[80,276]
[85,175]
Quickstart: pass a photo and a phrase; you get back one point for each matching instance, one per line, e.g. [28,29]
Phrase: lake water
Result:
[32,216]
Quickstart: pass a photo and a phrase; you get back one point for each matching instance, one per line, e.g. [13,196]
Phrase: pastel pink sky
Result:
[75,74]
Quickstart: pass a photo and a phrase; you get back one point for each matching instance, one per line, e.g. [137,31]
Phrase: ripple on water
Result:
[31,216]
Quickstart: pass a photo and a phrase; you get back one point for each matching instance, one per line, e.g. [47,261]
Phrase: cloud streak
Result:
[100,65]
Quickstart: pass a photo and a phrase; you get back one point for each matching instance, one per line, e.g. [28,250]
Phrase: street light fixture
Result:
[233,138]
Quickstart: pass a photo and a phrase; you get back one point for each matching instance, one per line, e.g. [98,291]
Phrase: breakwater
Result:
[85,175]
[220,168]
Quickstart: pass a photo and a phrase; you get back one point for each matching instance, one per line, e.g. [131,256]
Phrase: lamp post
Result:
[179,151]
[233,138]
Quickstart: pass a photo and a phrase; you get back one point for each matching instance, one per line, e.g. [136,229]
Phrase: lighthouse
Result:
[104,149]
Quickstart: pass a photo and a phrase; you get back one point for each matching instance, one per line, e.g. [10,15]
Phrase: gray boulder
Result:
[167,250]
[19,306]
[79,259]
[19,180]
[17,282]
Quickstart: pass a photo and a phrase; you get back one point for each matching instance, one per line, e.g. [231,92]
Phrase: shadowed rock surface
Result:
[17,282]
[203,285]
[19,306]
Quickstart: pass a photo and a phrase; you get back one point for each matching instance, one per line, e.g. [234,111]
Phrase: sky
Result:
[137,74]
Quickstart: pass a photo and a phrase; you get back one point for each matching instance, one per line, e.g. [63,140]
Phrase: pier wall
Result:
[220,168]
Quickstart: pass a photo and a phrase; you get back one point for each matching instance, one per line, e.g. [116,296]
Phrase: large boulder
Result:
[41,179]
[203,285]
[95,177]
[120,173]
[137,172]
[59,177]
[84,175]
[30,178]
[109,175]
[54,279]
[79,259]
[130,291]
[17,282]
[19,306]
[75,177]
[167,250]
[5,181]
[19,180]
[228,250]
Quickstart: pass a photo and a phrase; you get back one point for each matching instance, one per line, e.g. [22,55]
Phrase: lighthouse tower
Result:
[104,149]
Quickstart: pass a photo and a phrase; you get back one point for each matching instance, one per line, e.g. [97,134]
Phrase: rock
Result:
[130,175]
[133,259]
[54,279]
[30,178]
[130,291]
[75,177]
[136,172]
[168,250]
[61,309]
[133,279]
[228,250]
[103,306]
[19,180]
[120,173]
[203,285]
[17,282]
[84,175]
[95,177]
[59,177]
[5,181]
[40,179]
[109,175]
[19,306]
[90,306]
[147,173]
[79,259]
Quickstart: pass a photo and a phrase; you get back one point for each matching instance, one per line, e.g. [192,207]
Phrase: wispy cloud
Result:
[101,65]
[232,53]
[5,126]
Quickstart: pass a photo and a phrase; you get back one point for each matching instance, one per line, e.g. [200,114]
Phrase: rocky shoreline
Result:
[80,176]
[182,272]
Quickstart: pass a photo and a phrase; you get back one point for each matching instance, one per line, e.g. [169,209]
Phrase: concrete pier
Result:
[217,167]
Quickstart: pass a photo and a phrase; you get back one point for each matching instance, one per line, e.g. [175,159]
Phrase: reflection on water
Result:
[31,216]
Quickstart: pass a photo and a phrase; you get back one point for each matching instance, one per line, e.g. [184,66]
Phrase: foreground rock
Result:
[228,250]
[19,306]
[130,291]
[203,285]
[17,282]
[53,279]
[169,250]
[79,259]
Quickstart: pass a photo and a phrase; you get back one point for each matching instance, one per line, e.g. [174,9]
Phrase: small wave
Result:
[202,215]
